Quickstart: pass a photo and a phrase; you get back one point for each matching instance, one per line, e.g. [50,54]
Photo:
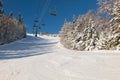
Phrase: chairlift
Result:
[36,20]
[39,27]
[53,11]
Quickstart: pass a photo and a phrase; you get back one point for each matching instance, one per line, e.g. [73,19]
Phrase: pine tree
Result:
[81,33]
[1,9]
[74,19]
[10,15]
[90,37]
[1,3]
[20,21]
[116,13]
[65,34]
[115,30]
[105,7]
[113,42]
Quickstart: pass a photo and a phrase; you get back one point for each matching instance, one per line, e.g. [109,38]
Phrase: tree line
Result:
[98,30]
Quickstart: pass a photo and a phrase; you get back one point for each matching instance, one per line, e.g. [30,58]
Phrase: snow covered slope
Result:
[44,58]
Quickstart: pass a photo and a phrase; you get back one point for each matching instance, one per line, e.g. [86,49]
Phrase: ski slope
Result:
[44,58]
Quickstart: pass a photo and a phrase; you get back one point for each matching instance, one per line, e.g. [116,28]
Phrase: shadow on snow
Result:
[30,46]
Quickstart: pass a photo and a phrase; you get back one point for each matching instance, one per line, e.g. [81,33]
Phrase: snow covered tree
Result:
[74,19]
[10,29]
[89,38]
[116,13]
[93,31]
[115,30]
[67,34]
[113,41]
[82,33]
[105,7]
[11,15]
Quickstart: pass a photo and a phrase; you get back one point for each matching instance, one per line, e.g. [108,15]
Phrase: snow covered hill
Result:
[44,58]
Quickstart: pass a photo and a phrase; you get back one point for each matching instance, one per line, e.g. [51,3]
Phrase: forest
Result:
[98,30]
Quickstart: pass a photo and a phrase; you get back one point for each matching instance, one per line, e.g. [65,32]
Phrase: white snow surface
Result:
[44,58]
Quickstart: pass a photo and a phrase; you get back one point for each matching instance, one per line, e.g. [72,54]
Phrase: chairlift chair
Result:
[53,13]
[36,20]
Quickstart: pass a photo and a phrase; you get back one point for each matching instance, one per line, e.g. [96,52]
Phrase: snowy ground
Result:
[45,59]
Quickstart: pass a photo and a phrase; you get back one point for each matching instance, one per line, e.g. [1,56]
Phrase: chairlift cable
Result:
[44,10]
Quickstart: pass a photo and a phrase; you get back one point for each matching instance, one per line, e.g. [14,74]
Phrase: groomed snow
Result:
[44,58]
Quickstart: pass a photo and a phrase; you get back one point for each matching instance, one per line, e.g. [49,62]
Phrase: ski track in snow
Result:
[44,58]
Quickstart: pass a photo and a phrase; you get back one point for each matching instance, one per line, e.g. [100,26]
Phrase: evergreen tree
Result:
[67,34]
[74,19]
[1,3]
[82,33]
[113,42]
[90,37]
[20,19]
[11,15]
[116,13]
[65,21]
[1,9]
[105,7]
[115,30]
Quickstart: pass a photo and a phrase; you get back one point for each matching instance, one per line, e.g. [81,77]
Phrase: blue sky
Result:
[41,8]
